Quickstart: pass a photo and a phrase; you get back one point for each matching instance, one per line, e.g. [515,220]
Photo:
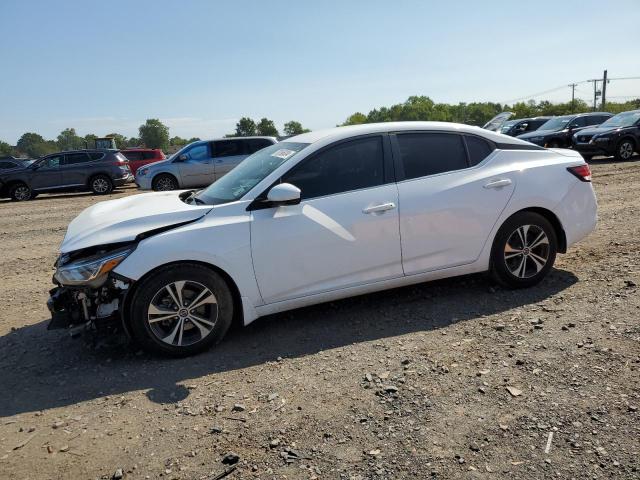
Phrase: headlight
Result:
[142,171]
[89,269]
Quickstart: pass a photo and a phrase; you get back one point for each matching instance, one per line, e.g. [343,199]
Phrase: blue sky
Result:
[201,65]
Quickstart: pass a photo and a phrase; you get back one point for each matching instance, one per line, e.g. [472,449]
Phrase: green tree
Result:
[193,139]
[133,142]
[90,140]
[154,134]
[69,140]
[34,145]
[356,119]
[121,140]
[267,127]
[177,141]
[245,127]
[5,149]
[294,128]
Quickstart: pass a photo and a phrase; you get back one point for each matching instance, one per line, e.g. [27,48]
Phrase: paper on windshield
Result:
[283,153]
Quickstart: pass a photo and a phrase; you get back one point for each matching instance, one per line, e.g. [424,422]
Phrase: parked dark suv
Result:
[520,126]
[558,132]
[96,170]
[619,136]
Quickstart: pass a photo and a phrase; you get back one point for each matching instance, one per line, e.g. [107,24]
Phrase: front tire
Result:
[624,150]
[524,250]
[164,182]
[181,310]
[21,192]
[101,185]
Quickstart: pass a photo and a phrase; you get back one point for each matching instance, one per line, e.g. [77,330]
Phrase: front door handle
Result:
[383,207]
[503,182]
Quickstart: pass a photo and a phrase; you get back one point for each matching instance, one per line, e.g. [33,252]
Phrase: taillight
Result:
[583,172]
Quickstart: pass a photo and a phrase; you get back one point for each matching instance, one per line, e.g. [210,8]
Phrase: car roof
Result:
[587,114]
[339,133]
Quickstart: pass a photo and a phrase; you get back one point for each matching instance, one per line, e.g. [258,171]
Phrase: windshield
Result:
[557,123]
[251,171]
[507,125]
[625,119]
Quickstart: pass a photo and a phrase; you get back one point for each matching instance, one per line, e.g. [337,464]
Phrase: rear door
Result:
[448,203]
[74,171]
[47,175]
[227,154]
[197,170]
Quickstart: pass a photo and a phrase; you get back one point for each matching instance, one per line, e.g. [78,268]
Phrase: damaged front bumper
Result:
[89,308]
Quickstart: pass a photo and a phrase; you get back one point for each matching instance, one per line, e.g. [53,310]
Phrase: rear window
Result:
[425,154]
[150,155]
[228,148]
[133,155]
[75,158]
[255,144]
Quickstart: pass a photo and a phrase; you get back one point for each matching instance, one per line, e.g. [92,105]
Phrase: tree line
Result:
[154,134]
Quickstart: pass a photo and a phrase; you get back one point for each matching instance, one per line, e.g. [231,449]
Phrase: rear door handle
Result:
[503,182]
[383,207]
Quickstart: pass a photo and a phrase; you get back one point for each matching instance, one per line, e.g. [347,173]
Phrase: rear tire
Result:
[163,318]
[524,250]
[624,150]
[21,192]
[164,182]
[101,185]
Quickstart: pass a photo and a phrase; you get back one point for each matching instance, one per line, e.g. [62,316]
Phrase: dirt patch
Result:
[450,379]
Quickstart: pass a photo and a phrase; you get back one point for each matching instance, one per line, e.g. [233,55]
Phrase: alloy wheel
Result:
[100,185]
[626,150]
[526,251]
[182,313]
[164,183]
[22,193]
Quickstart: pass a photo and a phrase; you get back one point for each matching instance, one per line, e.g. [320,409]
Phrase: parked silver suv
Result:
[200,163]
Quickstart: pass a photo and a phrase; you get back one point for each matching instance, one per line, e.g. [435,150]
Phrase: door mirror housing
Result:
[183,158]
[284,194]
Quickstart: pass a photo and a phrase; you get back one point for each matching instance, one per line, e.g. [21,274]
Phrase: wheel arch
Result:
[553,220]
[99,173]
[238,312]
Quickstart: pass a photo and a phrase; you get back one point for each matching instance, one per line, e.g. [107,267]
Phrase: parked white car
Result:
[324,215]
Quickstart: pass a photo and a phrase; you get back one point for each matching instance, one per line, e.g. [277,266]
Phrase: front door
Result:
[196,169]
[227,154]
[345,231]
[47,174]
[448,208]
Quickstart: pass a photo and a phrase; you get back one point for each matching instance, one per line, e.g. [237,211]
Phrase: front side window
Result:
[228,148]
[74,158]
[52,162]
[347,166]
[249,173]
[198,153]
[425,154]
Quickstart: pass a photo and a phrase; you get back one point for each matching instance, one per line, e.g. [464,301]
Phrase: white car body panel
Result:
[327,248]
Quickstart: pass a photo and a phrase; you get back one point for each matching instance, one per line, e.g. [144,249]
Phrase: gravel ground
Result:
[450,379]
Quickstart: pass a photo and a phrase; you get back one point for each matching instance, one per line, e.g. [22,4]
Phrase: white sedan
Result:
[324,215]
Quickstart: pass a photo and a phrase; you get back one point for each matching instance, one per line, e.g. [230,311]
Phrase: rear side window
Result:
[75,158]
[255,144]
[425,154]
[228,148]
[347,166]
[96,155]
[535,124]
[478,149]
[132,155]
[150,155]
[579,122]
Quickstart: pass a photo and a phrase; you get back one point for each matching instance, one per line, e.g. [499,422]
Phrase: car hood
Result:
[536,133]
[123,219]
[597,130]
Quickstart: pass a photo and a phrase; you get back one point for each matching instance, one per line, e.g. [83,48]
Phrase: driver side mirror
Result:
[283,194]
[183,158]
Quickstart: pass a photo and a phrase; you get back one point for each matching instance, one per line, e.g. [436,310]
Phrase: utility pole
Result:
[573,95]
[604,89]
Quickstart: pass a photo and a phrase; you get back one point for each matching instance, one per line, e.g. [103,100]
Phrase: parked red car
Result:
[141,156]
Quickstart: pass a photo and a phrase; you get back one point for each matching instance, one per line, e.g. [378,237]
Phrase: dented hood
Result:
[123,219]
